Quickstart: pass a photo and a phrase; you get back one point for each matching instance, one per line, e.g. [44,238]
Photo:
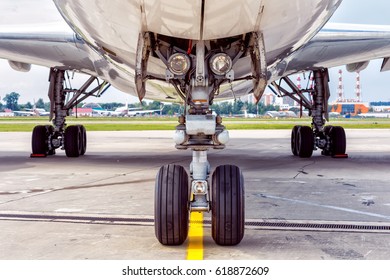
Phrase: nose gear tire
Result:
[171,205]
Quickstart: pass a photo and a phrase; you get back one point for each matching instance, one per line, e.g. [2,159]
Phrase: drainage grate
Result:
[260,225]
[327,226]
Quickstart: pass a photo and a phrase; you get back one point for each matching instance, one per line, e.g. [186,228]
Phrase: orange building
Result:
[350,108]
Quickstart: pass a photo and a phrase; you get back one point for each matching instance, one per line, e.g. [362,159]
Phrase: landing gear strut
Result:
[197,70]
[73,139]
[176,196]
[305,139]
[222,191]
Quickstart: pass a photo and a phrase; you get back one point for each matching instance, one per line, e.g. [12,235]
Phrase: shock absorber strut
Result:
[319,98]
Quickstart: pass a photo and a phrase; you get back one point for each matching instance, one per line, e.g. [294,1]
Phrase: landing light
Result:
[220,64]
[179,64]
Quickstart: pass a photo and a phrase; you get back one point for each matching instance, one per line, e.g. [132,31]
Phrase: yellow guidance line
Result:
[195,235]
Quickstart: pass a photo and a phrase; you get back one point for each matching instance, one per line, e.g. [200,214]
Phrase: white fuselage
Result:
[112,28]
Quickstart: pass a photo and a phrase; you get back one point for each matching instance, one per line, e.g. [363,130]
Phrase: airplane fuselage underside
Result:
[112,28]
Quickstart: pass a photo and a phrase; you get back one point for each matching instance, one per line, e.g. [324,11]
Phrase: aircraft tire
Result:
[338,140]
[50,131]
[39,140]
[228,205]
[72,141]
[171,205]
[83,140]
[294,133]
[327,129]
[305,142]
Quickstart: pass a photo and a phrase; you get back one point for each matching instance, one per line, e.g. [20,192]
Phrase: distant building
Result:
[248,98]
[268,99]
[350,108]
[7,113]
[288,101]
[380,106]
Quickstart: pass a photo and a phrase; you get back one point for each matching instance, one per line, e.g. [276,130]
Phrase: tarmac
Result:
[100,206]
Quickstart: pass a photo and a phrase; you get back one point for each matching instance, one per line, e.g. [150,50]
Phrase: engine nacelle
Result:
[357,67]
[20,66]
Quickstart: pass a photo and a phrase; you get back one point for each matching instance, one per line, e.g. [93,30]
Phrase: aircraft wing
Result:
[142,112]
[45,46]
[44,114]
[344,44]
[24,113]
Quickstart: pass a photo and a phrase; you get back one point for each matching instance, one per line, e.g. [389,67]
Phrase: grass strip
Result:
[163,125]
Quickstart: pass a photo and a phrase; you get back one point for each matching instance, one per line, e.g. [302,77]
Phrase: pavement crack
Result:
[349,185]
[89,186]
[302,170]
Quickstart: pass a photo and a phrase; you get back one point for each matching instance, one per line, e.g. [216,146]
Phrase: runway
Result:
[100,206]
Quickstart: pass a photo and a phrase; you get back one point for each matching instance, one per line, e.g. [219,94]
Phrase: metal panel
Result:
[225,18]
[175,18]
[200,125]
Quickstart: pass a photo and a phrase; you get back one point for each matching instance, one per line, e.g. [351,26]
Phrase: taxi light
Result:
[179,64]
[220,64]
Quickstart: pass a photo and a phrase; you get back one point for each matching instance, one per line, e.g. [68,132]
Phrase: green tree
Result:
[11,100]
[171,109]
[47,106]
[40,103]
[251,108]
[112,106]
[155,105]
[28,105]
[226,108]
[216,108]
[237,107]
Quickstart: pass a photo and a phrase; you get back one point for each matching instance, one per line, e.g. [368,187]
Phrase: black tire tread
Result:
[338,139]
[72,141]
[305,142]
[171,205]
[228,205]
[294,133]
[83,140]
[39,140]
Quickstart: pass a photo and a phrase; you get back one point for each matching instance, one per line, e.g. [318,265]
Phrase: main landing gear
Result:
[305,139]
[332,141]
[73,139]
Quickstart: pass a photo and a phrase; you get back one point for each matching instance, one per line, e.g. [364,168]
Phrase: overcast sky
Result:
[33,85]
